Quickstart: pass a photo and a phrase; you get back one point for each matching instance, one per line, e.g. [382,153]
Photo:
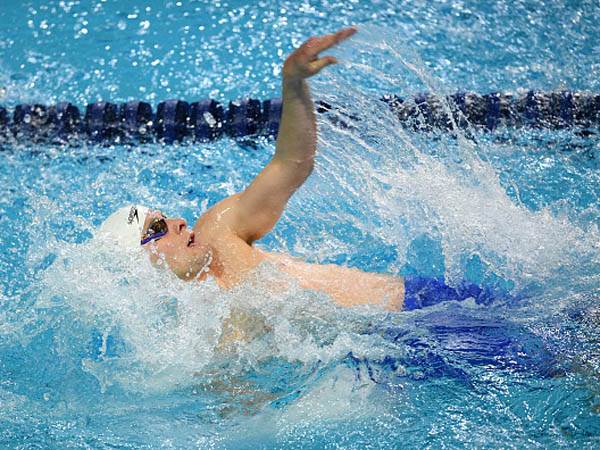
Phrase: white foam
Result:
[169,330]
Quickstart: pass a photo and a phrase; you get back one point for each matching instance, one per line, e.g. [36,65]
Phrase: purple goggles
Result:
[157,229]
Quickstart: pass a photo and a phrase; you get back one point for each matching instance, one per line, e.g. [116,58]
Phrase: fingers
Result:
[305,61]
[316,45]
[319,64]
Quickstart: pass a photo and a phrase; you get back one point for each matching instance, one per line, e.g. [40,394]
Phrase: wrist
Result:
[294,87]
[292,81]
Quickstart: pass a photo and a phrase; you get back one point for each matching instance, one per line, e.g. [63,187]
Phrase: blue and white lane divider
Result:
[206,120]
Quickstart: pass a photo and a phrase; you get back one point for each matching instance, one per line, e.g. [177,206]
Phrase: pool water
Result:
[98,351]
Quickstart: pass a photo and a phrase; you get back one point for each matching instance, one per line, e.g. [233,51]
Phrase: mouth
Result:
[191,240]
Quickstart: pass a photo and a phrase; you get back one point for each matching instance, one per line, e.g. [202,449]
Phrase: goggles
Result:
[157,229]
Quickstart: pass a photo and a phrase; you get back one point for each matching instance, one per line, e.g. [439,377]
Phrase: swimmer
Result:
[220,245]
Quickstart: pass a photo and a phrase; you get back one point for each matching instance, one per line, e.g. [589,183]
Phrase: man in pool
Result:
[220,243]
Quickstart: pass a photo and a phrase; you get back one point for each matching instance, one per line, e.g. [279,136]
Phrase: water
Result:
[97,350]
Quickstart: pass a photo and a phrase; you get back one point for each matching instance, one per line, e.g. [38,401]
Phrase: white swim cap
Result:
[124,227]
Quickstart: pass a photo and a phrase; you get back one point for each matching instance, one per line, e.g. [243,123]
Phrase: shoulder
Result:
[221,221]
[219,215]
[233,256]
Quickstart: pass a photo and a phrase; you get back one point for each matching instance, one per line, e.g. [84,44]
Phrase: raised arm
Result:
[255,211]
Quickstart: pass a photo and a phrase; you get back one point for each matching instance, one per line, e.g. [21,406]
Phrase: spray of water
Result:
[434,184]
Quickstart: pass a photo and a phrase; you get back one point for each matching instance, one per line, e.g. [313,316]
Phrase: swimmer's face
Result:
[177,248]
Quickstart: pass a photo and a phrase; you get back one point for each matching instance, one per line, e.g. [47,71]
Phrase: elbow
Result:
[296,170]
[302,172]
[308,167]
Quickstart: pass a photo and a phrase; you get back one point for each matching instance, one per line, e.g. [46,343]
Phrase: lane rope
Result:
[206,120]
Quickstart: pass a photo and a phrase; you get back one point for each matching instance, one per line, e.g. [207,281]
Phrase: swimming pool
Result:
[93,355]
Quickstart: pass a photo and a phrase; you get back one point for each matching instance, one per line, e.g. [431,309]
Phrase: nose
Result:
[179,225]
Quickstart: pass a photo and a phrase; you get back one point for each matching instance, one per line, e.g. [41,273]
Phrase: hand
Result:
[305,62]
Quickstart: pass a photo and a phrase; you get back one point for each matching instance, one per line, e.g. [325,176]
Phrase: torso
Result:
[233,259]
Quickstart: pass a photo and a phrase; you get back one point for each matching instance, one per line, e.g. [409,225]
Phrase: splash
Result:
[153,332]
[404,184]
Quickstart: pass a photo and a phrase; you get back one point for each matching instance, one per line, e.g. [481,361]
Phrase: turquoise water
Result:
[97,352]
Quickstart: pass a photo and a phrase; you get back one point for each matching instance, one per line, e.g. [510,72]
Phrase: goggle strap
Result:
[153,237]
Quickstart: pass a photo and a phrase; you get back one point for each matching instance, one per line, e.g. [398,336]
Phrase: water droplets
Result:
[210,120]
[144,26]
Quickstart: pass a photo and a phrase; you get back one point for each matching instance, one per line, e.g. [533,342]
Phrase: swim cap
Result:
[124,226]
